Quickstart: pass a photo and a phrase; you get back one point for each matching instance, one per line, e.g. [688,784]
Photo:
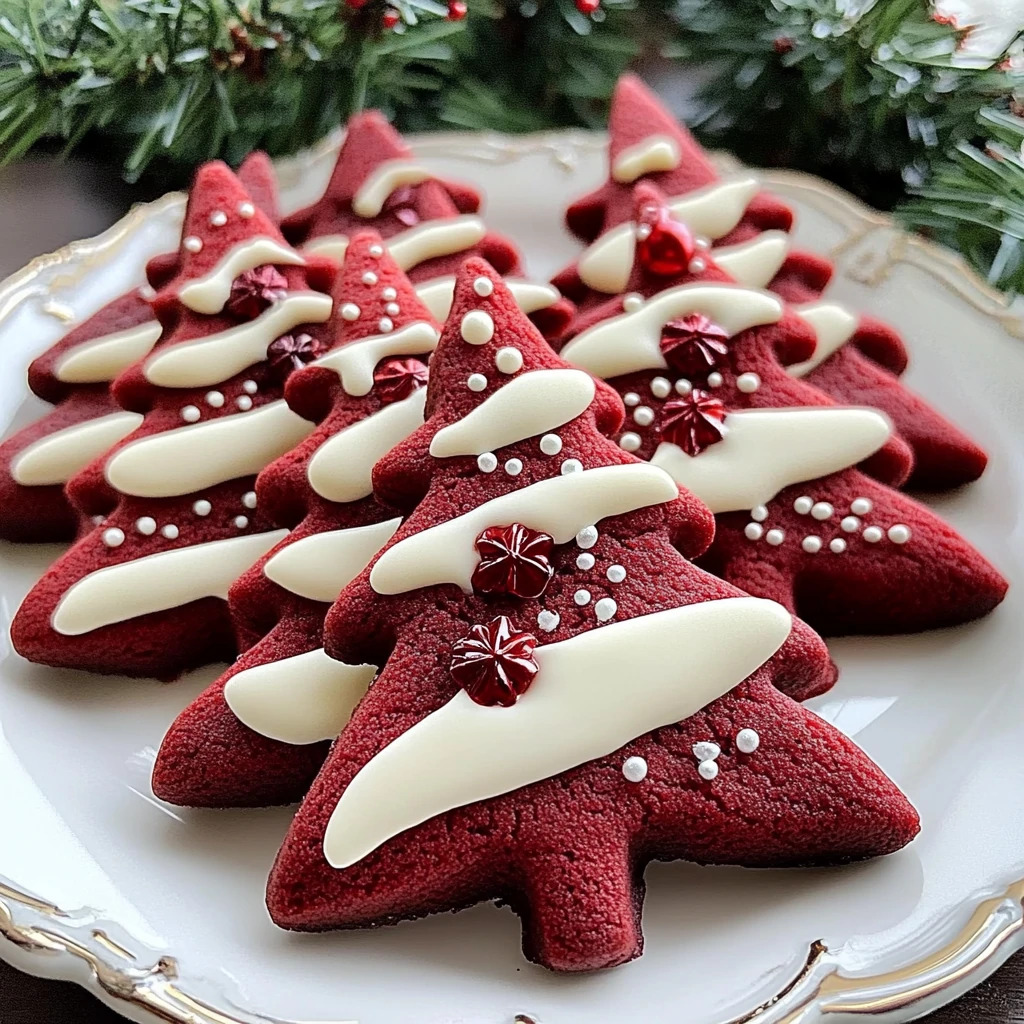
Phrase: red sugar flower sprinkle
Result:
[513,560]
[292,352]
[694,422]
[692,345]
[664,246]
[253,290]
[495,663]
[401,205]
[399,378]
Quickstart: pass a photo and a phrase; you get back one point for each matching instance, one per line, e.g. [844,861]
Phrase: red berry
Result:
[587,6]
[694,422]
[456,10]
[391,18]
[356,5]
[692,345]
[495,663]
[513,560]
[664,245]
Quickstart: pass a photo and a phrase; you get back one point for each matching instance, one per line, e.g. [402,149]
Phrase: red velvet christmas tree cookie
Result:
[697,361]
[430,226]
[74,375]
[858,365]
[373,380]
[143,593]
[563,697]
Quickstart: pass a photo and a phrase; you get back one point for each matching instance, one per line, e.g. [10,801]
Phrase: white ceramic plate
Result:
[160,911]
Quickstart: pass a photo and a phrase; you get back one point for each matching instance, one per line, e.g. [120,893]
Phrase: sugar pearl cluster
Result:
[707,752]
[147,526]
[243,402]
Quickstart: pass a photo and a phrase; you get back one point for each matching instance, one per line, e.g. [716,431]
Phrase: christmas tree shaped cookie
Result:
[372,379]
[74,375]
[858,365]
[430,226]
[696,358]
[563,697]
[143,593]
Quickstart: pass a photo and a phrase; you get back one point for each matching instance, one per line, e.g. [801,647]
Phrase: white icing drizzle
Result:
[435,238]
[531,404]
[766,450]
[754,263]
[373,193]
[561,507]
[341,467]
[576,710]
[834,325]
[209,293]
[355,362]
[199,455]
[332,246]
[102,359]
[54,459]
[649,156]
[318,567]
[218,357]
[298,700]
[710,212]
[167,579]
[632,341]
[437,294]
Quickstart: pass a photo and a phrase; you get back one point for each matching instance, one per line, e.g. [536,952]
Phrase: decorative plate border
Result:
[42,938]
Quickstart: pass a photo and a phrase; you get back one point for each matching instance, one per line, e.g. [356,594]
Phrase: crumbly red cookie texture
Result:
[185,632]
[41,512]
[209,757]
[844,551]
[751,779]
[371,143]
[864,371]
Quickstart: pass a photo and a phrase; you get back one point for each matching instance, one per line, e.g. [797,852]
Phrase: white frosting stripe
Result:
[632,341]
[435,238]
[54,459]
[194,457]
[341,468]
[560,507]
[102,359]
[834,325]
[167,579]
[320,566]
[649,156]
[355,362]
[766,450]
[577,709]
[530,404]
[332,246]
[299,700]
[218,357]
[373,193]
[209,293]
[754,263]
[437,294]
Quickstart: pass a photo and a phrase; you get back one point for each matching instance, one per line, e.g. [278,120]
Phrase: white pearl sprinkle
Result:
[389,294]
[630,442]
[244,402]
[483,286]
[113,537]
[386,325]
[775,537]
[708,770]
[643,231]
[193,244]
[250,387]
[350,311]
[753,531]
[550,444]
[748,383]
[170,531]
[759,513]
[837,546]
[487,462]
[514,467]
[861,506]
[715,380]
[803,504]
[587,537]
[702,243]
[631,398]
[570,466]
[811,544]
[477,327]
[369,277]
[616,573]
[697,265]
[747,741]
[706,750]
[899,534]
[581,597]
[547,620]
[873,534]
[392,309]
[850,524]
[202,507]
[476,382]
[632,302]
[241,522]
[246,210]
[96,520]
[585,561]
[376,250]
[634,769]
[683,386]
[218,218]
[146,525]
[214,399]
[661,387]
[249,499]
[643,415]
[605,609]
[508,359]
[821,511]
[190,413]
